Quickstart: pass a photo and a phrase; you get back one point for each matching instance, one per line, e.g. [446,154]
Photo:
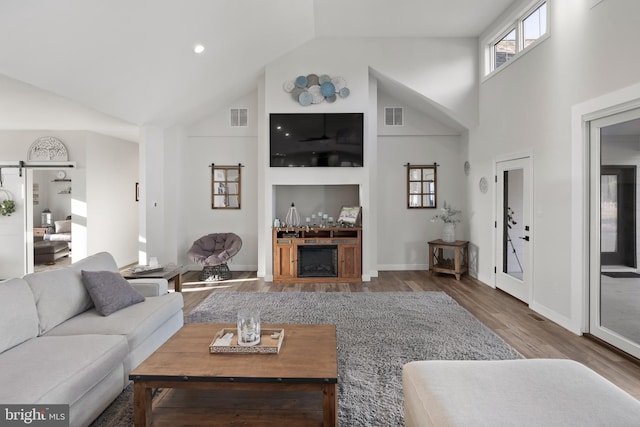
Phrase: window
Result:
[534,26]
[421,186]
[225,187]
[505,49]
[528,28]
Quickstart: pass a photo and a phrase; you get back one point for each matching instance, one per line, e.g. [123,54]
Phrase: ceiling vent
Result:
[239,117]
[393,116]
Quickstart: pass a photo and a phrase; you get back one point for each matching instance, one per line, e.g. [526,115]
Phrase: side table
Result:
[456,266]
[169,272]
[38,233]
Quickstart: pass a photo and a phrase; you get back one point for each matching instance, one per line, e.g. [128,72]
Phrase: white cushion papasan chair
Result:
[213,251]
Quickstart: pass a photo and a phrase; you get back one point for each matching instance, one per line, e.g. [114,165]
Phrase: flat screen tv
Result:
[316,140]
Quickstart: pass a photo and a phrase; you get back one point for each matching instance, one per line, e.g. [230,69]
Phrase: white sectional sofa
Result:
[523,393]
[56,349]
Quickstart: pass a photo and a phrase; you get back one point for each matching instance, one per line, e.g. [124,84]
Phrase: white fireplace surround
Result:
[314,190]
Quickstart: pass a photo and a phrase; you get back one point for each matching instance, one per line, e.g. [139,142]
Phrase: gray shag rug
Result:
[377,334]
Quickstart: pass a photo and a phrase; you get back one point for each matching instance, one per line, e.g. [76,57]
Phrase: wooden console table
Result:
[456,266]
[348,242]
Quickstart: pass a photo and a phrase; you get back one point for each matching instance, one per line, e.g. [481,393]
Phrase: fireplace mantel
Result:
[286,242]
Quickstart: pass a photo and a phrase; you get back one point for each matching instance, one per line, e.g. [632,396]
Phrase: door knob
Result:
[524,238]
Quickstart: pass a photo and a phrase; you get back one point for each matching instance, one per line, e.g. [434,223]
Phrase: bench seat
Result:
[523,393]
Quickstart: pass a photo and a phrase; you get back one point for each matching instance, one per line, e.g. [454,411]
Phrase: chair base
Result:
[212,273]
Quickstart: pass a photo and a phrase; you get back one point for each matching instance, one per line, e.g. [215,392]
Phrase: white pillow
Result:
[63,226]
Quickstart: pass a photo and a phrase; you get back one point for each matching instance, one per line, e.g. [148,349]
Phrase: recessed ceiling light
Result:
[198,48]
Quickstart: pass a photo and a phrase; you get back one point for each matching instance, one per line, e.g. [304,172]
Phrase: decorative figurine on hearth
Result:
[293,217]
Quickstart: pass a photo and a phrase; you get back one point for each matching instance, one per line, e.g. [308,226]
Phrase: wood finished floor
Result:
[528,332]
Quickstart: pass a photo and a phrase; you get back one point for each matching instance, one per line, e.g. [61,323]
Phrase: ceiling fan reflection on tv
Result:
[324,136]
[317,138]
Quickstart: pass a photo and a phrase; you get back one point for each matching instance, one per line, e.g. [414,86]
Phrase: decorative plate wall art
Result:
[314,89]
[484,185]
[48,148]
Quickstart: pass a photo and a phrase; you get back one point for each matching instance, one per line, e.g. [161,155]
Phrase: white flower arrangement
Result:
[448,215]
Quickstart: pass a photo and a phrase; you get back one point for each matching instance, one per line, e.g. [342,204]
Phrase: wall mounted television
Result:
[316,139]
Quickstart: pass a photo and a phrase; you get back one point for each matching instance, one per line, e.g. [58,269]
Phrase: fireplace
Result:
[317,255]
[318,261]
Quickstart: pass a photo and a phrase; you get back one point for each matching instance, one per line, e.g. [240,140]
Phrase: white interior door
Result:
[514,228]
[13,234]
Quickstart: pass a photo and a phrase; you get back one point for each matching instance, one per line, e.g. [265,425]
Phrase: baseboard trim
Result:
[402,267]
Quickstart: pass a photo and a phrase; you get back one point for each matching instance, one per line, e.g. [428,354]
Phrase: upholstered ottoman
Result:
[47,252]
[526,392]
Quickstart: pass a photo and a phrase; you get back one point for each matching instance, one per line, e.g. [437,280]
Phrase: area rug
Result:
[377,334]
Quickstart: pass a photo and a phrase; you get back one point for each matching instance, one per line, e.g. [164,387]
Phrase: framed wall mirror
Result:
[421,186]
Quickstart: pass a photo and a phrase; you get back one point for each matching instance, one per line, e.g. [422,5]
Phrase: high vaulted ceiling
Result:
[134,60]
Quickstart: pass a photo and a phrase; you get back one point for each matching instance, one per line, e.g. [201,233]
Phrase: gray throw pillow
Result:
[109,291]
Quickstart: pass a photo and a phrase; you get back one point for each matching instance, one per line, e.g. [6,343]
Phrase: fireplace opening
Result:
[318,261]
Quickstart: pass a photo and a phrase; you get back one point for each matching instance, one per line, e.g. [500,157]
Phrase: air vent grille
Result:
[393,116]
[239,117]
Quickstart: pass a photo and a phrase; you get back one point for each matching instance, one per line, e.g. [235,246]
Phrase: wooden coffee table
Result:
[306,362]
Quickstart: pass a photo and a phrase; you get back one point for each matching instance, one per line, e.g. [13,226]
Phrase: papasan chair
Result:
[213,251]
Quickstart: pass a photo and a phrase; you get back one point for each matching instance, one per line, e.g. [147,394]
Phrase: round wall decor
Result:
[484,185]
[314,89]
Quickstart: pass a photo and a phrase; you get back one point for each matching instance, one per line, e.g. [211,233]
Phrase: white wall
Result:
[99,194]
[319,57]
[28,113]
[442,70]
[112,212]
[526,107]
[213,140]
[403,233]
[15,144]
[23,106]
[155,203]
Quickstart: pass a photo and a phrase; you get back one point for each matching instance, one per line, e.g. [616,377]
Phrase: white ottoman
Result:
[525,392]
